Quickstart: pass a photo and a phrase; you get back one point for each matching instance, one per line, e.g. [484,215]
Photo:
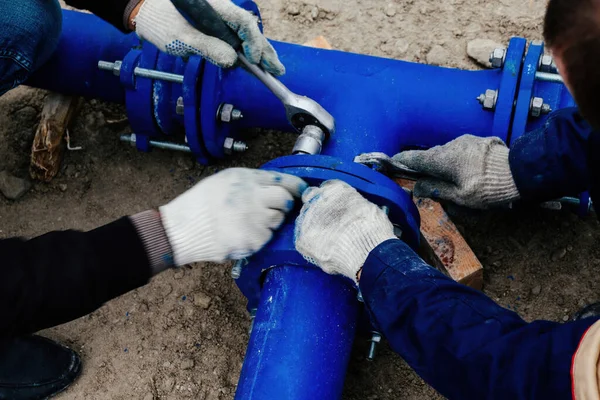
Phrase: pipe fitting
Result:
[310,141]
[488,99]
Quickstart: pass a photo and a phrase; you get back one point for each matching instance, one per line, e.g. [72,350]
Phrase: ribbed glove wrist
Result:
[152,233]
[499,187]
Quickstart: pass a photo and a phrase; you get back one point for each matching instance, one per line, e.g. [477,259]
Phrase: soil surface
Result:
[184,335]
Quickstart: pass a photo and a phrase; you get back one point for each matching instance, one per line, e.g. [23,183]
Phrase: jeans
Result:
[29,33]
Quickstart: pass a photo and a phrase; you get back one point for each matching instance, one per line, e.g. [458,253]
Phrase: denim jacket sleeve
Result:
[552,161]
[458,340]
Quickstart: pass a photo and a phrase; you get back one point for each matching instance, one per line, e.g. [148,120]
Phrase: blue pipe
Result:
[301,338]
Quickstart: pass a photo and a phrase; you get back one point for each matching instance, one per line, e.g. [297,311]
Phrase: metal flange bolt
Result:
[488,99]
[228,113]
[179,107]
[234,146]
[547,64]
[375,339]
[497,57]
[538,107]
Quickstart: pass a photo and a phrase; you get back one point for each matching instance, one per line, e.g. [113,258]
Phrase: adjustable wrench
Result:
[301,111]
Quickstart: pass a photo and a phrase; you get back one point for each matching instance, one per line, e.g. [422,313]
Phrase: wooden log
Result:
[319,42]
[48,147]
[443,246]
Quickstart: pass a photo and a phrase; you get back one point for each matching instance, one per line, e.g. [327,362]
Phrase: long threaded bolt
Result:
[236,115]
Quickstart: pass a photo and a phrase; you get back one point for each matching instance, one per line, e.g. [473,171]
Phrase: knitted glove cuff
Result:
[499,186]
[150,229]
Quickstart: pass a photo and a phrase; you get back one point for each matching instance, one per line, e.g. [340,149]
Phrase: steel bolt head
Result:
[179,107]
[488,99]
[225,112]
[535,108]
[547,64]
[497,57]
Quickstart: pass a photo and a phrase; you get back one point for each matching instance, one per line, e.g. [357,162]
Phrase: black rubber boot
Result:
[33,367]
[592,310]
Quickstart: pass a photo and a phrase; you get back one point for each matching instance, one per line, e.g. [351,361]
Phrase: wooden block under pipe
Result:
[48,148]
[319,42]
[443,246]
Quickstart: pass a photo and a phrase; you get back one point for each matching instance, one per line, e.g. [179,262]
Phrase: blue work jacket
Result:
[558,159]
[457,339]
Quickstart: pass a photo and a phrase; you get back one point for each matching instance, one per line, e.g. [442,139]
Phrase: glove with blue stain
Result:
[230,215]
[337,228]
[160,23]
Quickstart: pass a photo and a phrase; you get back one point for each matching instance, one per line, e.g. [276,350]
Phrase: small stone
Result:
[213,395]
[166,364]
[179,273]
[402,46]
[293,9]
[581,303]
[187,364]
[437,55]
[566,318]
[62,187]
[559,254]
[168,385]
[560,300]
[536,290]
[569,248]
[201,300]
[314,13]
[390,10]
[149,396]
[185,162]
[13,188]
[480,50]
[497,263]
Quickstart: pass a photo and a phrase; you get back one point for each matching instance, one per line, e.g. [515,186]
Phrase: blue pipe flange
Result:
[192,86]
[374,186]
[503,112]
[165,95]
[139,101]
[525,94]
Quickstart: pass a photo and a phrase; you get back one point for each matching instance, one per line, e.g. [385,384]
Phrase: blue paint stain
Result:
[435,193]
[183,298]
[197,345]
[127,314]
[512,278]
[518,298]
[126,350]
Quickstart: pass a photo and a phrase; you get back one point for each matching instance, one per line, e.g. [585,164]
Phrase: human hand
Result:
[337,228]
[160,23]
[470,171]
[230,215]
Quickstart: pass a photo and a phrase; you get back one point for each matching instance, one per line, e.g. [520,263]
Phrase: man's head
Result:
[572,32]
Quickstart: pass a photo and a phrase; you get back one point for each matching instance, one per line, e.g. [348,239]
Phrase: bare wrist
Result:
[131,11]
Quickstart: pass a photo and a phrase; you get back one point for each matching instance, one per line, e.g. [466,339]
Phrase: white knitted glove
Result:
[159,22]
[229,215]
[337,228]
[470,171]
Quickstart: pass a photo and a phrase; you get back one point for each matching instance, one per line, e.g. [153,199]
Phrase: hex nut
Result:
[228,145]
[488,100]
[536,107]
[225,112]
[497,57]
[547,64]
[179,107]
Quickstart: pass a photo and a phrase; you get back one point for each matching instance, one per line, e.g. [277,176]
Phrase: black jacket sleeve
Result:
[109,10]
[61,276]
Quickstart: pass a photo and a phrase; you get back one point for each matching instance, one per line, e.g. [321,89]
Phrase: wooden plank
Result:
[443,246]
[48,148]
[319,42]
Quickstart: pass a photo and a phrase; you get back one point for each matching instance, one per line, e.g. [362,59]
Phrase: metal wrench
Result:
[301,111]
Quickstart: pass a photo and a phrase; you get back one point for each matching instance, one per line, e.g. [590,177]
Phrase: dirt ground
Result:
[185,334]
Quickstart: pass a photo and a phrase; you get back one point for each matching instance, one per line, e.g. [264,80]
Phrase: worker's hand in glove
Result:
[337,228]
[160,23]
[230,215]
[469,171]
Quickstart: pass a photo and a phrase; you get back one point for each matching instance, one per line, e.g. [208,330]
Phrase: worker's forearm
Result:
[61,276]
[460,341]
[552,161]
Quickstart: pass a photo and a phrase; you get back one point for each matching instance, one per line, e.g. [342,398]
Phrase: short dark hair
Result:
[572,29]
